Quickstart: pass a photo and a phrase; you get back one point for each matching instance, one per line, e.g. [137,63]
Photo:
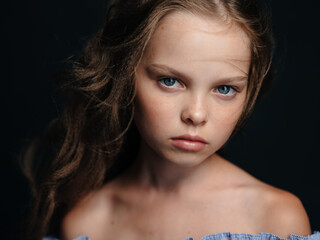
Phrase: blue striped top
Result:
[234,236]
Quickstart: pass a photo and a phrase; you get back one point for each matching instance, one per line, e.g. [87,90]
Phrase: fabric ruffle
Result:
[78,238]
[261,236]
[234,236]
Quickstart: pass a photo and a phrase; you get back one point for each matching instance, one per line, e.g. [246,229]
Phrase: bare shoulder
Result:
[271,209]
[90,216]
[283,213]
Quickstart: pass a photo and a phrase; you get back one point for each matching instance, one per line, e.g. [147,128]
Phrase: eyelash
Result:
[162,79]
[232,88]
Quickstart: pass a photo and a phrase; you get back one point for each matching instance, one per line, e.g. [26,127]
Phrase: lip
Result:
[189,143]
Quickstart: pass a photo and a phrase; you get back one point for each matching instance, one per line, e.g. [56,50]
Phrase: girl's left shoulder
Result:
[281,212]
[271,209]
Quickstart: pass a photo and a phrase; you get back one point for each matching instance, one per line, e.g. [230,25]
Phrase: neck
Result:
[152,171]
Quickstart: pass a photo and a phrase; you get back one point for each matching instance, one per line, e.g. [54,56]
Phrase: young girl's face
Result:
[191,87]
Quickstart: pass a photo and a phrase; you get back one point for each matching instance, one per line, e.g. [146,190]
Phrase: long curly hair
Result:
[88,145]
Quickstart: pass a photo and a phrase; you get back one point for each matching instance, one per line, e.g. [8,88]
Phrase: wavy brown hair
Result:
[89,142]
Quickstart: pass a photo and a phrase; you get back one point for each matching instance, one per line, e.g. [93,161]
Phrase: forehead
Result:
[182,36]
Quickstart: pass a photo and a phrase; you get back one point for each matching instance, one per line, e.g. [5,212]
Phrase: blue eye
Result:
[169,82]
[225,90]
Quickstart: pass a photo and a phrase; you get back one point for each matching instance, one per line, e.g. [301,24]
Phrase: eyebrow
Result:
[180,75]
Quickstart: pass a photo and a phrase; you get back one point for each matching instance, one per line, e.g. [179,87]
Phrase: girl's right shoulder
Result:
[90,215]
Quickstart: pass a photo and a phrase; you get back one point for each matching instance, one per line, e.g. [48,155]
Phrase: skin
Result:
[184,85]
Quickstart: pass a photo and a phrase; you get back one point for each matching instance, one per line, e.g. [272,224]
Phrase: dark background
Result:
[279,145]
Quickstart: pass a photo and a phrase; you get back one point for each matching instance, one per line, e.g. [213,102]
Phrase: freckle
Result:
[150,233]
[112,223]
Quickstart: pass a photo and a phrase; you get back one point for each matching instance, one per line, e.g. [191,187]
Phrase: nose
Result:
[195,112]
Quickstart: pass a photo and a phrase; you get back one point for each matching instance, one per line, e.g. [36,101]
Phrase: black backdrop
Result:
[279,145]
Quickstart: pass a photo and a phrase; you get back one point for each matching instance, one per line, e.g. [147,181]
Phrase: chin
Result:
[187,159]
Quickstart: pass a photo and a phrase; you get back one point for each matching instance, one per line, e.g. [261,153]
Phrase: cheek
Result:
[223,124]
[224,118]
[227,114]
[153,112]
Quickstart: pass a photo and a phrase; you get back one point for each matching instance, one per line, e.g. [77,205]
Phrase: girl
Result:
[154,97]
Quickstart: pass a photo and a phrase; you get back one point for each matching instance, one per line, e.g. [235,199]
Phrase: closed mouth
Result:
[190,138]
[189,143]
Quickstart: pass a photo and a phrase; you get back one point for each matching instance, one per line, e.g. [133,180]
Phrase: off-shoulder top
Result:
[235,236]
